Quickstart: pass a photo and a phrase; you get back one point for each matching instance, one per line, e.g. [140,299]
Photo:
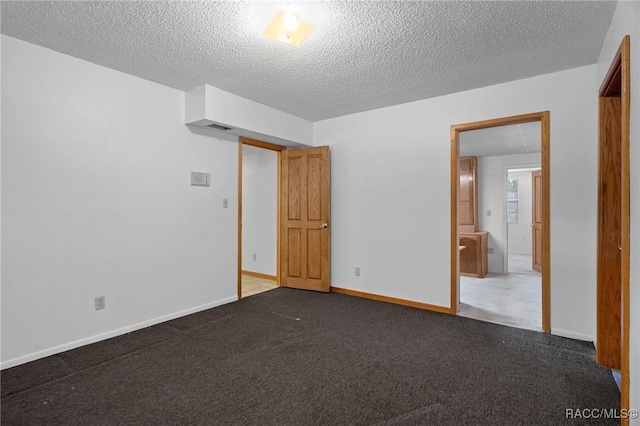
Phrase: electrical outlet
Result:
[489,212]
[99,303]
[254,257]
[357,271]
[225,203]
[490,250]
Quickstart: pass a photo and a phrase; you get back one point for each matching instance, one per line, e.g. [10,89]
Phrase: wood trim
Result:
[625,52]
[239,221]
[261,144]
[455,240]
[328,217]
[546,221]
[498,122]
[283,265]
[278,216]
[394,300]
[544,118]
[259,275]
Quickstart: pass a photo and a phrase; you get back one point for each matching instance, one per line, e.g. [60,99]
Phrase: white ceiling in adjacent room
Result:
[503,140]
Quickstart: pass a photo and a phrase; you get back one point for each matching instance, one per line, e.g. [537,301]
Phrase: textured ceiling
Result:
[503,140]
[363,55]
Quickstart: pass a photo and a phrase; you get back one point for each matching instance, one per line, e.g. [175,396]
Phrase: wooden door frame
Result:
[543,117]
[278,149]
[617,82]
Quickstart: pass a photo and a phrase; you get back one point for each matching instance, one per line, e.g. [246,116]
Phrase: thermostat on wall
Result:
[200,179]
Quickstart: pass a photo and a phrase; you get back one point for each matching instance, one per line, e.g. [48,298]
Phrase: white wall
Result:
[626,21]
[259,210]
[391,201]
[519,234]
[96,201]
[491,196]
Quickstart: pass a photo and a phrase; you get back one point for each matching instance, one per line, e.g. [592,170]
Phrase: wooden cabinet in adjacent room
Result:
[473,254]
[468,195]
[473,243]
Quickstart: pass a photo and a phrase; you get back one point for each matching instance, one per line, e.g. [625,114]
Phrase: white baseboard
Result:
[113,333]
[572,335]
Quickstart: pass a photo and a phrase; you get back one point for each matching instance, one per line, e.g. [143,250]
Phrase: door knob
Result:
[619,248]
[324,226]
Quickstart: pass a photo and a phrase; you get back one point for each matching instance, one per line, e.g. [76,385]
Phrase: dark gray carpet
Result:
[292,357]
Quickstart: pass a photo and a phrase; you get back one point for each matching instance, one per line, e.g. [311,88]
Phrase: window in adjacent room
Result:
[512,200]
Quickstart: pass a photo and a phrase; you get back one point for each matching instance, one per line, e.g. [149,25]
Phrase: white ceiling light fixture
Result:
[287,28]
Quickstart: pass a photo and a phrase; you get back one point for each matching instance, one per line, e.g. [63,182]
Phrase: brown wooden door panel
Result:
[314,188]
[536,202]
[294,189]
[537,249]
[305,260]
[314,253]
[294,258]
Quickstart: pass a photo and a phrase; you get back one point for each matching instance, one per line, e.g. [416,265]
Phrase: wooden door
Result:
[609,262]
[305,213]
[536,218]
[613,262]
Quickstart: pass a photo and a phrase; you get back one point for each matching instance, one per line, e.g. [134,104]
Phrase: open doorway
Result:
[258,187]
[490,282]
[523,202]
[509,290]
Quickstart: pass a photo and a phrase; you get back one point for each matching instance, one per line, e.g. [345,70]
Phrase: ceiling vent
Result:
[219,127]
